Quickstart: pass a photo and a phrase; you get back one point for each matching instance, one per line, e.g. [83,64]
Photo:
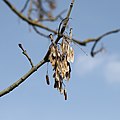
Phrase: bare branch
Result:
[31,22]
[34,68]
[59,34]
[25,53]
[95,41]
[34,23]
[22,79]
[99,38]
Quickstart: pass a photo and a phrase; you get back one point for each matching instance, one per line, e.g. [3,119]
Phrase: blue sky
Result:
[94,87]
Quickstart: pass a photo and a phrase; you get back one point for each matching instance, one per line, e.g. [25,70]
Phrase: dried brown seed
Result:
[67,76]
[47,80]
[61,91]
[65,94]
[53,75]
[71,55]
[52,56]
[56,84]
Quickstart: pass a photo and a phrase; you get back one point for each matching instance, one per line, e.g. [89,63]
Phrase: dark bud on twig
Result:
[65,94]
[47,80]
[20,45]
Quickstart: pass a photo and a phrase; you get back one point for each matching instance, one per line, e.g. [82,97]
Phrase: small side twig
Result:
[30,9]
[38,32]
[25,53]
[25,6]
[93,52]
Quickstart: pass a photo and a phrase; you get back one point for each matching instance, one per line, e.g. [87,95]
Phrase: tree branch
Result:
[93,52]
[34,68]
[25,53]
[34,23]
[31,22]
[38,32]
[22,79]
[60,34]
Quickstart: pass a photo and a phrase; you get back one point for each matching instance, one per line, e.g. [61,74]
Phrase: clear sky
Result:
[94,87]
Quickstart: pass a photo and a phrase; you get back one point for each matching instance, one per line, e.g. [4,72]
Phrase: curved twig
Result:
[38,32]
[25,53]
[25,6]
[93,52]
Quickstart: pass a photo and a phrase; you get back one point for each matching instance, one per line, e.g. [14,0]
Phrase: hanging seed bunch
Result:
[60,57]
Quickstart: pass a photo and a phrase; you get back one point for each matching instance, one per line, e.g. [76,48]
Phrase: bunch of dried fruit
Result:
[60,57]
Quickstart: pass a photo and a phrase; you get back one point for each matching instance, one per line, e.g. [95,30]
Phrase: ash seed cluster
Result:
[60,58]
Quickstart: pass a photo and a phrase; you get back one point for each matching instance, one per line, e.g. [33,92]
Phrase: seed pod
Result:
[67,75]
[56,84]
[47,80]
[65,94]
[53,75]
[61,90]
[71,55]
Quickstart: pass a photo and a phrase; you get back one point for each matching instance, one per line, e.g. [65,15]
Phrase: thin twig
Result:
[22,79]
[97,51]
[25,53]
[38,32]
[25,6]
[93,52]
[30,9]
